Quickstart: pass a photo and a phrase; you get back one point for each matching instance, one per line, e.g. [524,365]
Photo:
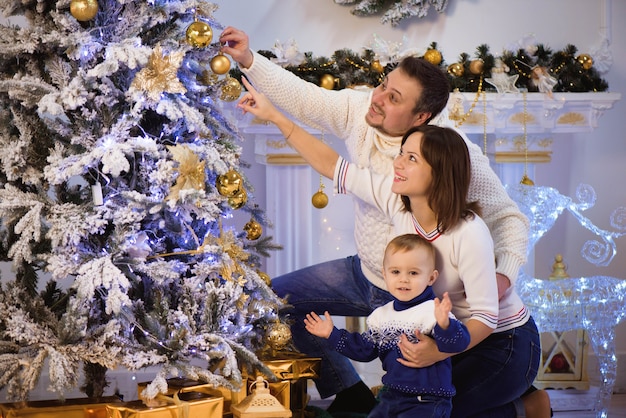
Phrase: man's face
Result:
[393,101]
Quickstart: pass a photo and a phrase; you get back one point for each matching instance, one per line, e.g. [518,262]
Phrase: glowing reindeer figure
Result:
[597,303]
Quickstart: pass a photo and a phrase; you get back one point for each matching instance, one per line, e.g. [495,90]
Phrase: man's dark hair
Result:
[435,85]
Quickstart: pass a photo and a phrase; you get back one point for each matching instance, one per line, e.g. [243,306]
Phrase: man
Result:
[372,124]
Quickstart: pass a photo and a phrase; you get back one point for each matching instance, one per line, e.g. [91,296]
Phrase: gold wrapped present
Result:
[181,385]
[69,408]
[183,405]
[295,368]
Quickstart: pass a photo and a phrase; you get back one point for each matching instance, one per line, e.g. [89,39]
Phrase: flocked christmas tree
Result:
[119,177]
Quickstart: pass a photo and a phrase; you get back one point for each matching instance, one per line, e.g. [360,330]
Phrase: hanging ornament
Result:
[433,56]
[527,181]
[278,335]
[377,67]
[320,199]
[229,184]
[238,199]
[585,61]
[456,69]
[199,34]
[84,10]
[231,90]
[220,64]
[327,81]
[476,66]
[253,229]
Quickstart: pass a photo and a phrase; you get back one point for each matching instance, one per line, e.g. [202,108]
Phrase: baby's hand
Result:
[318,326]
[442,310]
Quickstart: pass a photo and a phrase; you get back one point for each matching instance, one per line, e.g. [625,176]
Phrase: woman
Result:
[428,195]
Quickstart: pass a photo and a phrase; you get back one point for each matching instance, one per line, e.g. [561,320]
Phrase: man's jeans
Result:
[336,286]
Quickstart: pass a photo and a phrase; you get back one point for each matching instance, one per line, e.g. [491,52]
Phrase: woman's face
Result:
[412,174]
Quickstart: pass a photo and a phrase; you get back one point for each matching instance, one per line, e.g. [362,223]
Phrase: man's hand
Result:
[236,44]
[503,284]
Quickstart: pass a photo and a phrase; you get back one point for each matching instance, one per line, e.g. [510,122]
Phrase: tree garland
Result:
[569,70]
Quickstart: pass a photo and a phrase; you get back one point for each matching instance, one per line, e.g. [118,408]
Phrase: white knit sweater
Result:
[342,114]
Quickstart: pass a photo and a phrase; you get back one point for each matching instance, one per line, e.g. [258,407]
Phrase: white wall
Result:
[595,158]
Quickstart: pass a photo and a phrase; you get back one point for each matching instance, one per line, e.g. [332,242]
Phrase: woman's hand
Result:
[421,354]
[256,103]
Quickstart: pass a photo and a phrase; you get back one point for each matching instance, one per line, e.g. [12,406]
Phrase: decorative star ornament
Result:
[160,75]
[191,173]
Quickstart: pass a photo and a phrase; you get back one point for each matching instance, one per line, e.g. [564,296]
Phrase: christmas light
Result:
[596,304]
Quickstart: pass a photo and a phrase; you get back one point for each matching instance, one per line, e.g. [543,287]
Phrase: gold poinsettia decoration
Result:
[160,75]
[191,173]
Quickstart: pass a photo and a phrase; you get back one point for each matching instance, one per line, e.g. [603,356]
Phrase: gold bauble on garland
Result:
[476,66]
[265,277]
[327,81]
[199,34]
[239,199]
[433,56]
[229,184]
[319,199]
[585,61]
[220,64]
[231,90]
[456,69]
[377,67]
[84,10]
[253,229]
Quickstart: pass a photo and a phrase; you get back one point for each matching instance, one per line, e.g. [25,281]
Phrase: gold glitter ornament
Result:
[160,75]
[265,277]
[278,336]
[229,184]
[456,69]
[585,61]
[231,90]
[253,229]
[527,181]
[238,199]
[84,10]
[476,66]
[220,64]
[327,81]
[433,56]
[199,34]
[319,199]
[377,67]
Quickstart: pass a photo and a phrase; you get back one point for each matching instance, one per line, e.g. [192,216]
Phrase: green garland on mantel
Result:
[572,72]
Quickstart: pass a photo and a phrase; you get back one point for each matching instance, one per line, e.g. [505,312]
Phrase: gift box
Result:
[181,405]
[181,385]
[68,408]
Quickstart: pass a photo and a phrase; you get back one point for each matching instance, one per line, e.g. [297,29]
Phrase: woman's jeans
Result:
[488,378]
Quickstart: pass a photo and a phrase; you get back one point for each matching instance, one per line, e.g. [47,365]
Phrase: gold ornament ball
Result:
[278,335]
[253,229]
[229,184]
[527,181]
[231,90]
[456,69]
[476,66]
[239,199]
[327,81]
[319,199]
[377,67]
[433,56]
[585,61]
[220,64]
[84,10]
[199,34]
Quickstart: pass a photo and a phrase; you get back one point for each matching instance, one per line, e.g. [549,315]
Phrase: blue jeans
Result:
[401,405]
[491,377]
[336,286]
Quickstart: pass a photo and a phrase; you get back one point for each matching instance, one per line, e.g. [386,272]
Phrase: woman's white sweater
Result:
[342,114]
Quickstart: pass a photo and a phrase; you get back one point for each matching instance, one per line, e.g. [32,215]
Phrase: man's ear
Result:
[421,118]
